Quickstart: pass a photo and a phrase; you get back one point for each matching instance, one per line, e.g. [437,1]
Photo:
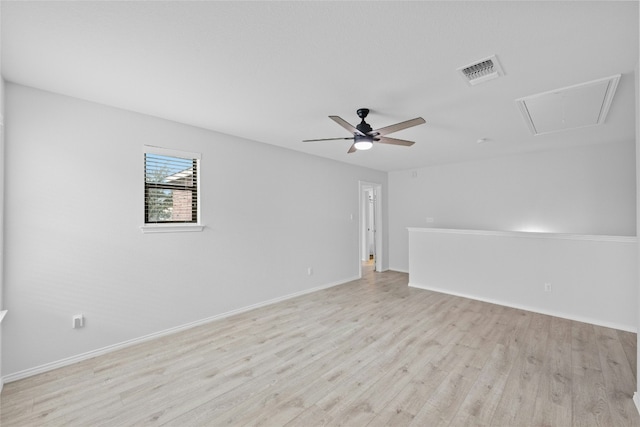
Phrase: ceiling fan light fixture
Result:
[363,142]
[363,145]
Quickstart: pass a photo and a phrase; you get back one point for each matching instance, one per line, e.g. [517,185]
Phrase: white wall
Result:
[582,190]
[593,278]
[1,200]
[636,397]
[74,199]
[1,216]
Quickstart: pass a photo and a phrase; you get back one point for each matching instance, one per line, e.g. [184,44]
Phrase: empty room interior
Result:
[319,213]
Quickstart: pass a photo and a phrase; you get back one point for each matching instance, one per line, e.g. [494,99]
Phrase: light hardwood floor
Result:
[371,352]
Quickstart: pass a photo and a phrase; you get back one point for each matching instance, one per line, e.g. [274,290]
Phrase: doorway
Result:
[370,195]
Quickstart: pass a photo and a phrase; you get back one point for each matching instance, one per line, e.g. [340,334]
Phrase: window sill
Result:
[171,228]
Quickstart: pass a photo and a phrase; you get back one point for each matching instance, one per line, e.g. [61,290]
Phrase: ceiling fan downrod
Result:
[363,127]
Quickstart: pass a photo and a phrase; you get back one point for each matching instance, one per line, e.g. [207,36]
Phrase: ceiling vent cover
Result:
[481,71]
[572,107]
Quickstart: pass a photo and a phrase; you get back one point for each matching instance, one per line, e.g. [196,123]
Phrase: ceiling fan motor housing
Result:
[364,127]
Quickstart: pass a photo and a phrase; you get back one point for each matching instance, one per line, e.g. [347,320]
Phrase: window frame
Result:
[171,226]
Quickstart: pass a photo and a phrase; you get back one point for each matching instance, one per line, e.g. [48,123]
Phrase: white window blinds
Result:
[170,187]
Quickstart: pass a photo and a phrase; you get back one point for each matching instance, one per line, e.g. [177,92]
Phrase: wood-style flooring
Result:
[372,352]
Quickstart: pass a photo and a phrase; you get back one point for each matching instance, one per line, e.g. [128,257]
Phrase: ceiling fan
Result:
[364,136]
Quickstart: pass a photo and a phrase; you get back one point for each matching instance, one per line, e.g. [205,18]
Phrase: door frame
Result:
[364,186]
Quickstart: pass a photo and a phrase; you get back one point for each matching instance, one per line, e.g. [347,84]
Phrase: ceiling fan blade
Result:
[399,126]
[352,149]
[395,141]
[342,122]
[324,139]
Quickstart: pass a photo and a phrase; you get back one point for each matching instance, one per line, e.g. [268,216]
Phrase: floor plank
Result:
[554,398]
[518,399]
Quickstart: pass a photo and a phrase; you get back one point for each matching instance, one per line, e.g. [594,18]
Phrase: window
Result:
[171,184]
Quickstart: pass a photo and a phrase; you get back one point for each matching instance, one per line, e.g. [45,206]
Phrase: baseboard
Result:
[628,328]
[111,348]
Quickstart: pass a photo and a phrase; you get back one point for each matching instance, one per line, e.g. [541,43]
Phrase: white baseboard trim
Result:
[111,348]
[598,322]
[636,400]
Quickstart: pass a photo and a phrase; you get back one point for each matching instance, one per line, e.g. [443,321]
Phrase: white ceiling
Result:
[273,71]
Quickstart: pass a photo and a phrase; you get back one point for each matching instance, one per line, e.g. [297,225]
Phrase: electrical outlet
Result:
[78,321]
[310,271]
[547,287]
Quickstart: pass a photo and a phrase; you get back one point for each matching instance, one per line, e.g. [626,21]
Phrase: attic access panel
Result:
[572,107]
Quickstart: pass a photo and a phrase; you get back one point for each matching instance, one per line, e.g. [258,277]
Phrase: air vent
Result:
[481,71]
[581,105]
